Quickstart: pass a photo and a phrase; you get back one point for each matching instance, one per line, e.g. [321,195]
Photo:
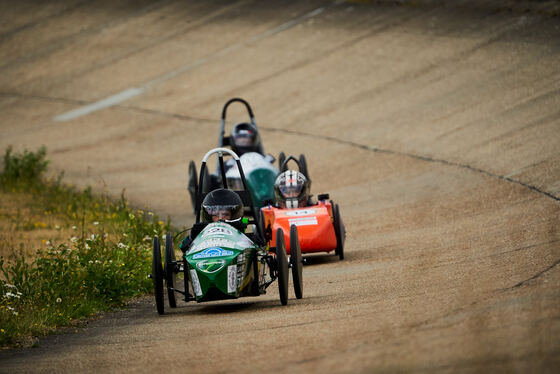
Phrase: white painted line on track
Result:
[101,104]
[136,91]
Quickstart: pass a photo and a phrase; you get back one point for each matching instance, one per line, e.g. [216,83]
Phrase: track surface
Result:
[435,125]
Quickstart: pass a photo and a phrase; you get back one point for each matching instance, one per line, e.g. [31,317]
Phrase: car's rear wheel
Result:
[339,231]
[193,184]
[295,260]
[282,260]
[211,181]
[169,270]
[157,275]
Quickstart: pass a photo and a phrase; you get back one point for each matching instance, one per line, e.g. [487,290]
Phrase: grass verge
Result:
[67,254]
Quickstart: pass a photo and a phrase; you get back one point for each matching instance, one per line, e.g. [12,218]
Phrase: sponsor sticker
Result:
[196,283]
[240,273]
[232,278]
[217,230]
[301,212]
[241,242]
[307,221]
[222,224]
[212,242]
[244,242]
[212,252]
[210,266]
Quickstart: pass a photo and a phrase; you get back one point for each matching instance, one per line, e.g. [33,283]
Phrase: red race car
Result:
[318,226]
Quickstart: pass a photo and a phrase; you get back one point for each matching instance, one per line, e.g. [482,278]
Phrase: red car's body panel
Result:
[314,224]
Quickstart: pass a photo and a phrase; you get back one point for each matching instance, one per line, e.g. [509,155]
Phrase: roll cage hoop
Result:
[223,140]
[245,195]
[284,165]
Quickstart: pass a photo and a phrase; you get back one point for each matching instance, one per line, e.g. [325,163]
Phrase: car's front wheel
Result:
[157,275]
[282,261]
[296,262]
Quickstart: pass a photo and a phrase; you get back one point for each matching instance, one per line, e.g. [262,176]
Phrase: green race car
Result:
[225,256]
[259,168]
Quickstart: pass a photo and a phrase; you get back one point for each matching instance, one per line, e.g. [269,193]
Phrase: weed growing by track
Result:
[101,262]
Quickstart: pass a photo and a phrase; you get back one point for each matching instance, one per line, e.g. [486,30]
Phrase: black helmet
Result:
[244,138]
[291,189]
[222,205]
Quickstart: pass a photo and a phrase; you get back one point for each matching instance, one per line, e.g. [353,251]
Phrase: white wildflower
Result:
[9,285]
[74,228]
[90,261]
[96,223]
[57,227]
[59,300]
[122,245]
[92,236]
[15,313]
[73,239]
[48,242]
[87,246]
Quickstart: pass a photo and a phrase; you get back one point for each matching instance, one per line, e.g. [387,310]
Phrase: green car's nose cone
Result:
[219,261]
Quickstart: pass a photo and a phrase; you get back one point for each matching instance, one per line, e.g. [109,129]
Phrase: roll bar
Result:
[245,195]
[283,166]
[223,120]
[220,152]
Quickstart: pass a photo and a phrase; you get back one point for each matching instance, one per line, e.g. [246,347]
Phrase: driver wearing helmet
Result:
[291,189]
[222,205]
[245,139]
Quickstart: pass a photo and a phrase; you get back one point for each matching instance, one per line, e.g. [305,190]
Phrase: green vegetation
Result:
[95,253]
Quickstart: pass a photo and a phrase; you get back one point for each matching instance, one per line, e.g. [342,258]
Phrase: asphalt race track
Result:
[435,125]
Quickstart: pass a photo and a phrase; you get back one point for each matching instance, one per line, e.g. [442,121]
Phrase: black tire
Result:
[169,270]
[193,184]
[157,275]
[340,232]
[296,261]
[303,167]
[211,181]
[282,260]
[281,159]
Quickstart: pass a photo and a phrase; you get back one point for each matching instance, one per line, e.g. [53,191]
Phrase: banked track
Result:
[432,124]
